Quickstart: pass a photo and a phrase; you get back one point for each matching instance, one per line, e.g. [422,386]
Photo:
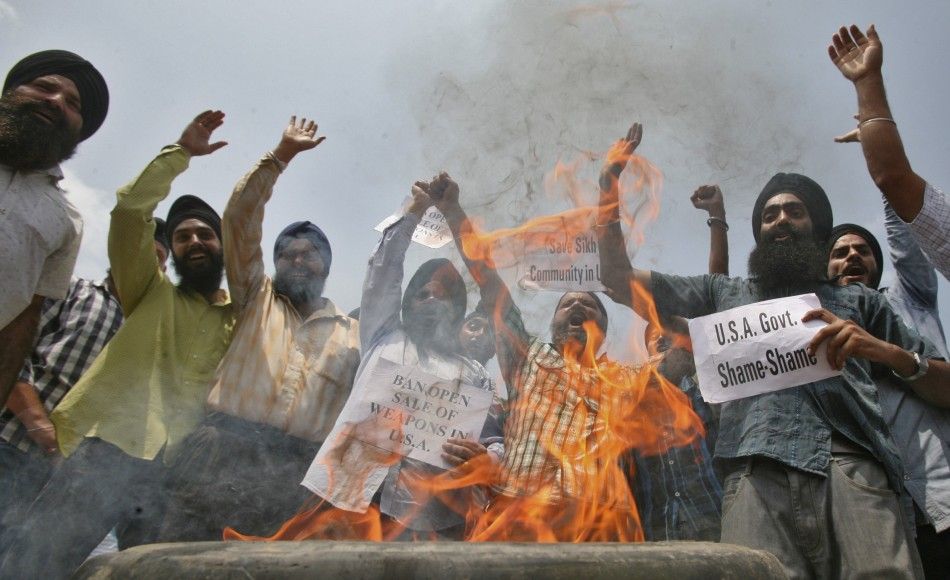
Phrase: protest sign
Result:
[564,261]
[433,231]
[757,348]
[413,413]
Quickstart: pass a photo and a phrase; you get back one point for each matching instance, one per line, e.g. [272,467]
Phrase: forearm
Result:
[477,258]
[25,403]
[934,387]
[382,288]
[718,243]
[131,229]
[617,273]
[884,151]
[16,339]
[242,228]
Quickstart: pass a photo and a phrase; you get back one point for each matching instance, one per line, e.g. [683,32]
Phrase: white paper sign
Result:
[433,231]
[413,413]
[566,262]
[757,348]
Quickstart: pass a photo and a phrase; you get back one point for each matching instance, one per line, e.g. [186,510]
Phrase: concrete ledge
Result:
[436,561]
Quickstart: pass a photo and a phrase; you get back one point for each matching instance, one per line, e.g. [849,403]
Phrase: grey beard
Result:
[28,143]
[435,332]
[300,291]
[797,264]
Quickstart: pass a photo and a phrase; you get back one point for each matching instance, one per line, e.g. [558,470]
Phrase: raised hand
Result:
[298,136]
[855,54]
[196,136]
[421,200]
[619,155]
[444,192]
[709,198]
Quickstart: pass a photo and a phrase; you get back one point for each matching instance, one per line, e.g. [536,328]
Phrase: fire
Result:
[625,409]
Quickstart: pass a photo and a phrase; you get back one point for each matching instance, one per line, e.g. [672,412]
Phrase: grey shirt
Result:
[921,431]
[794,426]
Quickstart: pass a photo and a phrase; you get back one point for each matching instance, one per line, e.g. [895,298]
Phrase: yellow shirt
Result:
[147,387]
[280,370]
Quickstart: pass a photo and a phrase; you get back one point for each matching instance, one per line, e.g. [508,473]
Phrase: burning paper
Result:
[758,348]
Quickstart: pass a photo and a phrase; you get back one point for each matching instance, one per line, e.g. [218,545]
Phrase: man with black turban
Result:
[51,101]
[128,414]
[405,334]
[282,382]
[921,431]
[812,472]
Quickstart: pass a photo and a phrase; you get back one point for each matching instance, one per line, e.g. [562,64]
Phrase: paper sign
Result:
[433,231]
[757,348]
[566,262]
[413,413]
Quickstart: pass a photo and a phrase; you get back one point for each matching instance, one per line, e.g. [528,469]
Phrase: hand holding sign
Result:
[847,339]
[457,451]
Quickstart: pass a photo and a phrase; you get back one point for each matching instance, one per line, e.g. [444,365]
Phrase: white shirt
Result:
[931,228]
[40,231]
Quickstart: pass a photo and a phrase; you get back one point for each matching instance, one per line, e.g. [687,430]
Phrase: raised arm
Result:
[131,229]
[382,288]
[617,273]
[511,339]
[709,198]
[859,58]
[242,225]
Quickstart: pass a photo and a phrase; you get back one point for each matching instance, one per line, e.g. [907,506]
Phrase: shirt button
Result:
[906,477]
[676,493]
[194,356]
[671,462]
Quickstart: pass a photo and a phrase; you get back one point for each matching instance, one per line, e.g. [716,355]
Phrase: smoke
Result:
[526,84]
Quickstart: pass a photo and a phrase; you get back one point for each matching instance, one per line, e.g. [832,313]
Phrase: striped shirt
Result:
[72,331]
[930,227]
[558,416]
[281,371]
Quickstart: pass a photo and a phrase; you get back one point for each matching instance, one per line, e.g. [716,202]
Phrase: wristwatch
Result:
[922,366]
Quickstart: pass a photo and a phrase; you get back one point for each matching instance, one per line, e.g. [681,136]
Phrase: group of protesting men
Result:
[170,412]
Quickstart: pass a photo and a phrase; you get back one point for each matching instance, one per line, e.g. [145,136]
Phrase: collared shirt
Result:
[678,492]
[282,371]
[568,425]
[930,227]
[347,473]
[40,231]
[148,386]
[72,332]
[920,430]
[794,426]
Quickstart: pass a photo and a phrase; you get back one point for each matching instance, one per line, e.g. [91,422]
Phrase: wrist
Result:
[718,213]
[284,152]
[902,362]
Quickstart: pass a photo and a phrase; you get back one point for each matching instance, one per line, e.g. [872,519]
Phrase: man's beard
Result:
[27,143]
[300,291]
[795,264]
[204,278]
[431,327]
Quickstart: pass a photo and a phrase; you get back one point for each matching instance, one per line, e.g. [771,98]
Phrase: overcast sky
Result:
[496,93]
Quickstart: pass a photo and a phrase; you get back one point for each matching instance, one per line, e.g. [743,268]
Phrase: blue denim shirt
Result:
[794,426]
[921,431]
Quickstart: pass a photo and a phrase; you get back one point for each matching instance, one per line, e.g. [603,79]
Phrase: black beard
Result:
[28,143]
[299,291]
[202,279]
[430,327]
[794,265]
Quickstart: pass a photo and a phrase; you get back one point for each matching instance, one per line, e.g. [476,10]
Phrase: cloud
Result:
[8,12]
[94,205]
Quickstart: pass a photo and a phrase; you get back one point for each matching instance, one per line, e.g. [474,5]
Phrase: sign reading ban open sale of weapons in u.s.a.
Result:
[412,413]
[758,348]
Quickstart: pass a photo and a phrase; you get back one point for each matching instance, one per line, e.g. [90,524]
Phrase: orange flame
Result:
[620,409]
